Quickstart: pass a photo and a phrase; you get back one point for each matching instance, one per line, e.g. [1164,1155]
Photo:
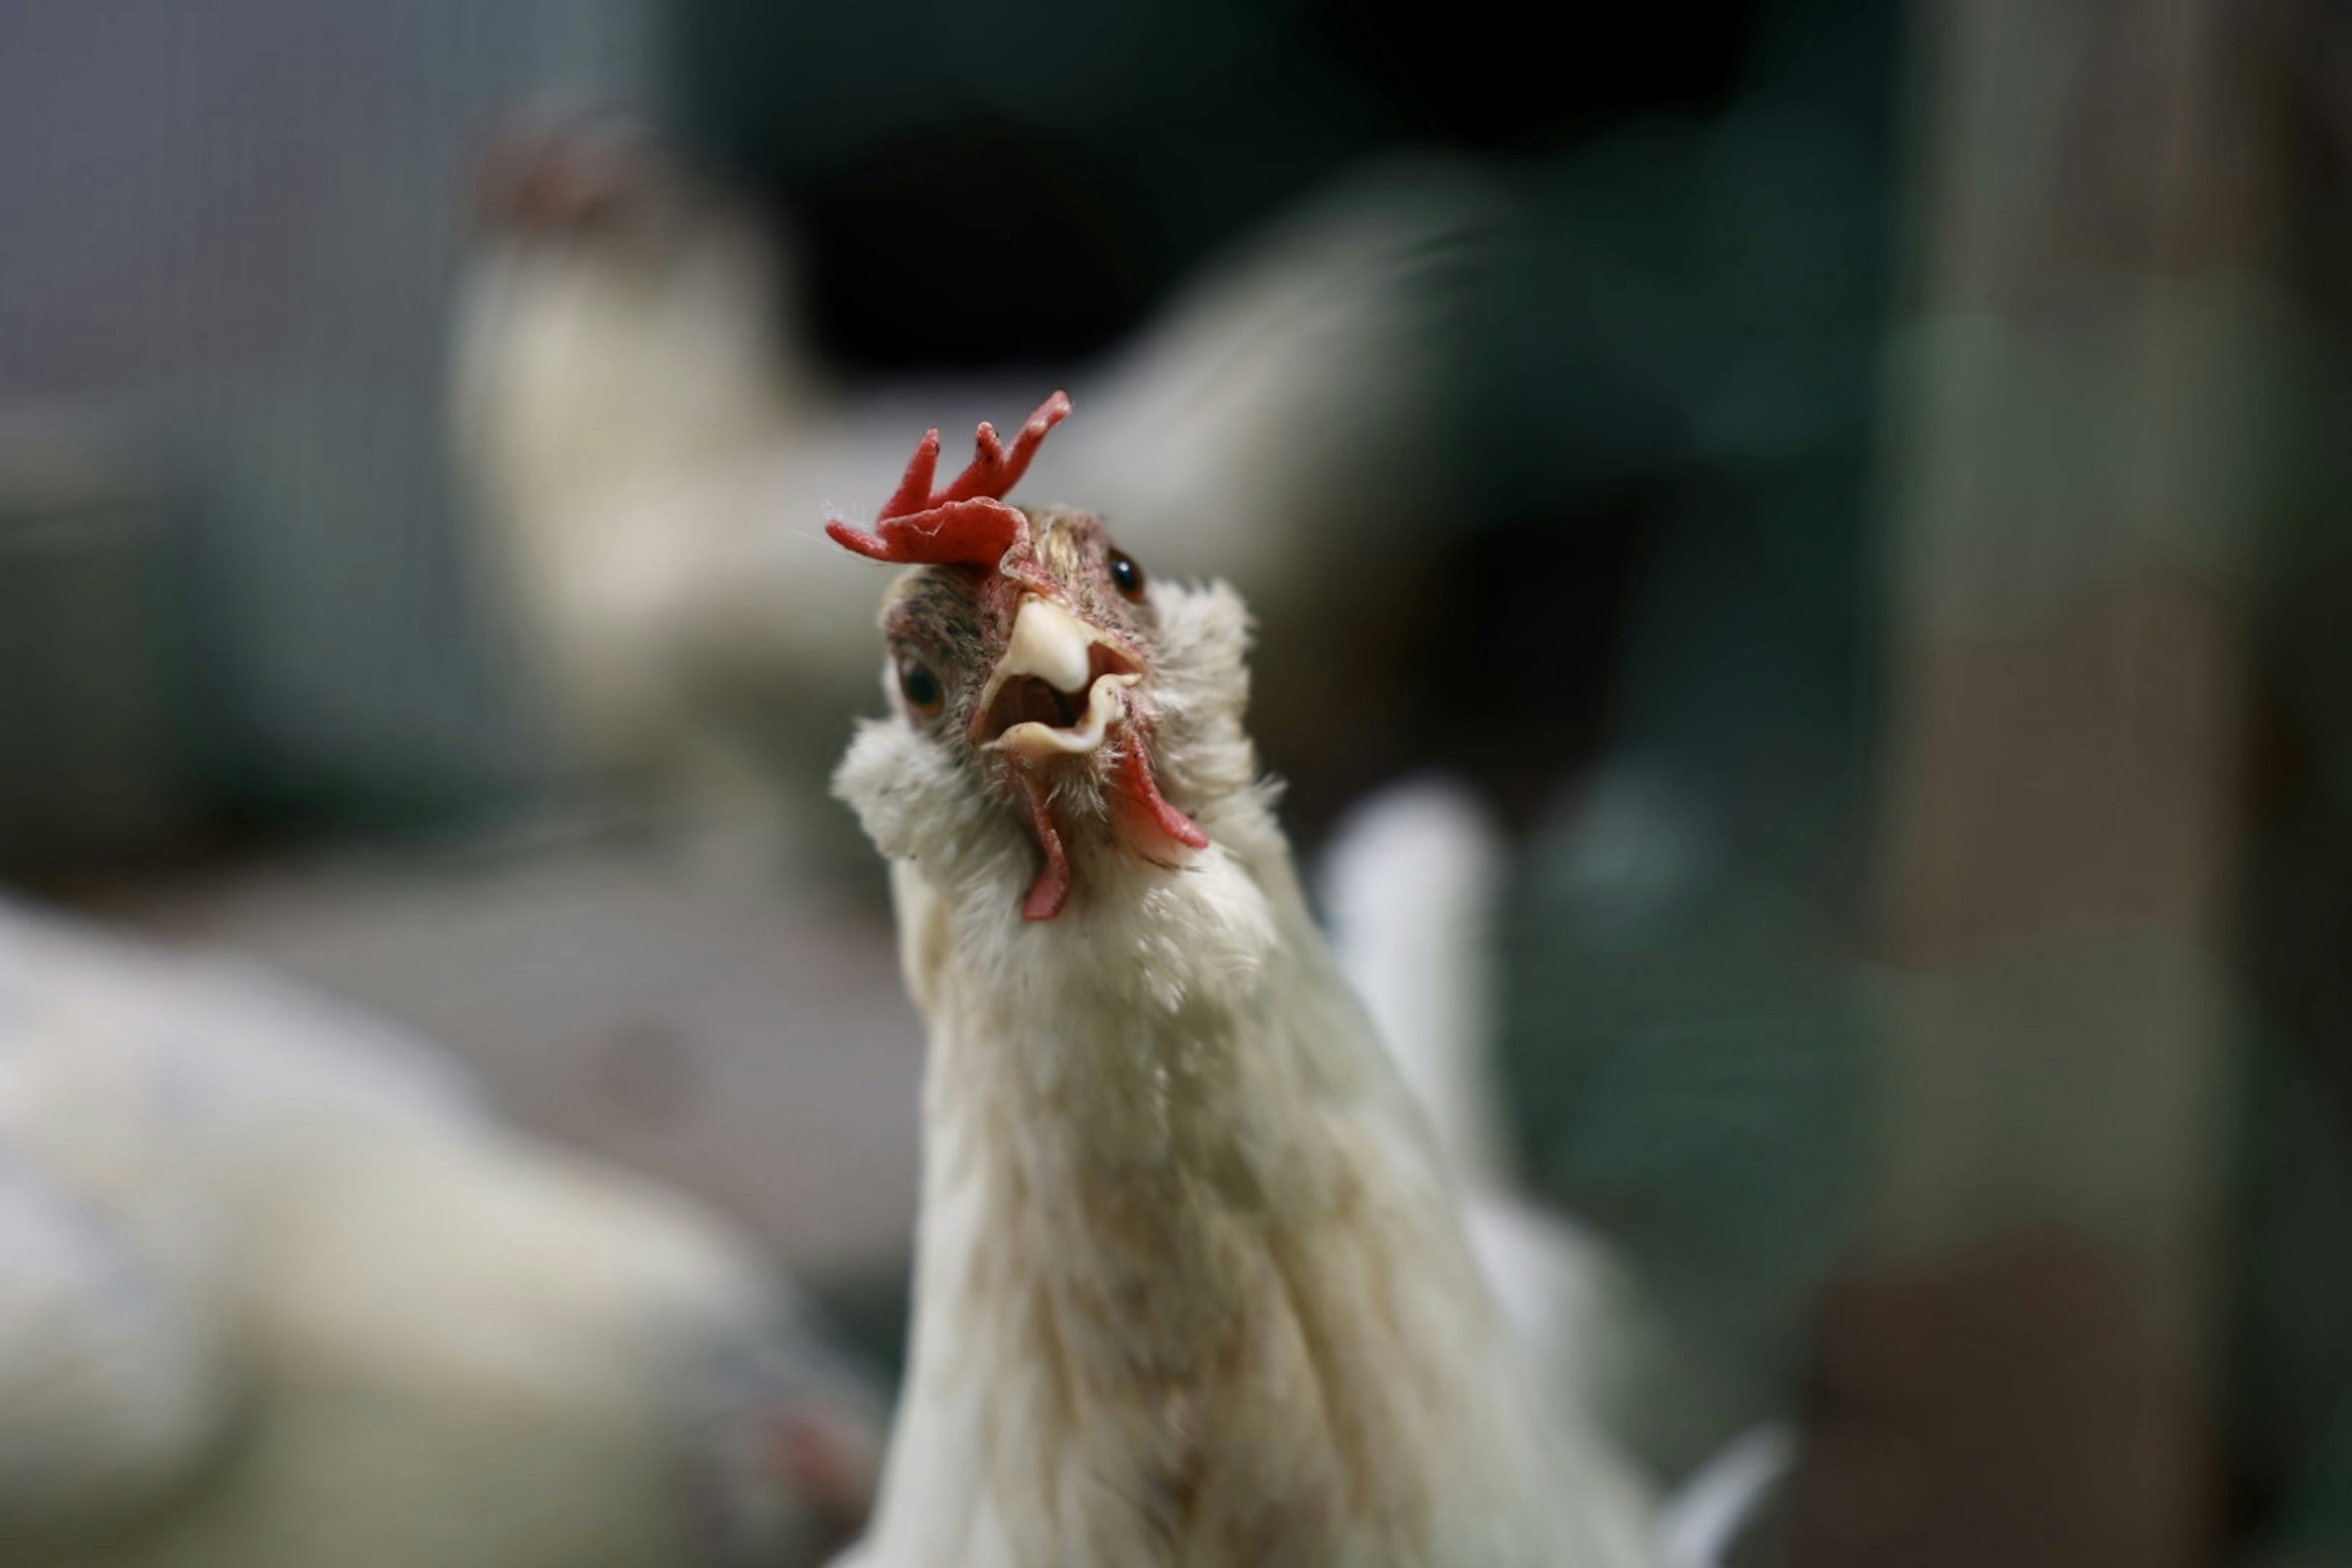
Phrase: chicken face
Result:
[1023,646]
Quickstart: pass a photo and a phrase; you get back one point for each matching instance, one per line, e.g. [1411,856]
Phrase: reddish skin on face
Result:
[823,1460]
[969,524]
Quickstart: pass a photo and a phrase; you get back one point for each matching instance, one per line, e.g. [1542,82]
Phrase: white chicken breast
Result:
[275,1292]
[1192,1286]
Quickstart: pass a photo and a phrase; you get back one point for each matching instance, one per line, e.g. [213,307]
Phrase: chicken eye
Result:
[919,687]
[1127,577]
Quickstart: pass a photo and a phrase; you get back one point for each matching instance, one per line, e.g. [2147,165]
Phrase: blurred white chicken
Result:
[276,1294]
[1411,883]
[648,438]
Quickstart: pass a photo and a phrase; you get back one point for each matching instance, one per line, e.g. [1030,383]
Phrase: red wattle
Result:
[1051,890]
[1159,826]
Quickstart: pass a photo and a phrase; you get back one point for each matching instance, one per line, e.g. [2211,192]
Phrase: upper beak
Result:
[1057,690]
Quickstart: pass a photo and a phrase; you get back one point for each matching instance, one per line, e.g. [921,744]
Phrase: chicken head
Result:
[1022,644]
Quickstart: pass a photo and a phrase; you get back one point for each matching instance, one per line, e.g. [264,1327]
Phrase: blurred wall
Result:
[229,234]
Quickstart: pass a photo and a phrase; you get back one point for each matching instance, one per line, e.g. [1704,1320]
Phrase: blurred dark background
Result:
[234,241]
[1067,165]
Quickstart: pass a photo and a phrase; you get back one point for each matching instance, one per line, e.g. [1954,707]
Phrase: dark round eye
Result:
[1125,575]
[919,687]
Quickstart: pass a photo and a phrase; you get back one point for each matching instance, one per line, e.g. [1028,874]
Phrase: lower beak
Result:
[1105,706]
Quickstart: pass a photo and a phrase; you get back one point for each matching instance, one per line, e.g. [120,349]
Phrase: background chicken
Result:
[1192,1283]
[646,429]
[276,1290]
[1412,887]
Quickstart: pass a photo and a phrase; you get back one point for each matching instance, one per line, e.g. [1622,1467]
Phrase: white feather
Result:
[1413,879]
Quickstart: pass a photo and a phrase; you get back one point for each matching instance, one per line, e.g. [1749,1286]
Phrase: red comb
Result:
[967,523]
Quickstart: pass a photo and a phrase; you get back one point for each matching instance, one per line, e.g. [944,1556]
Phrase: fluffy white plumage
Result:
[276,1294]
[1192,1283]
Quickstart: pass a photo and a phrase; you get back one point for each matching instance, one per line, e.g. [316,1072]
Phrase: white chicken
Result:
[276,1294]
[1192,1284]
[645,432]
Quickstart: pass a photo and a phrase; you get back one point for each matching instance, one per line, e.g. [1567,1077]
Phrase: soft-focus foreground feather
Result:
[1191,1285]
[646,434]
[1412,884]
[276,1294]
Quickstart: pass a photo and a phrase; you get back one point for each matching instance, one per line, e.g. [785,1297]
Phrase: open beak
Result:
[1057,690]
[1061,691]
